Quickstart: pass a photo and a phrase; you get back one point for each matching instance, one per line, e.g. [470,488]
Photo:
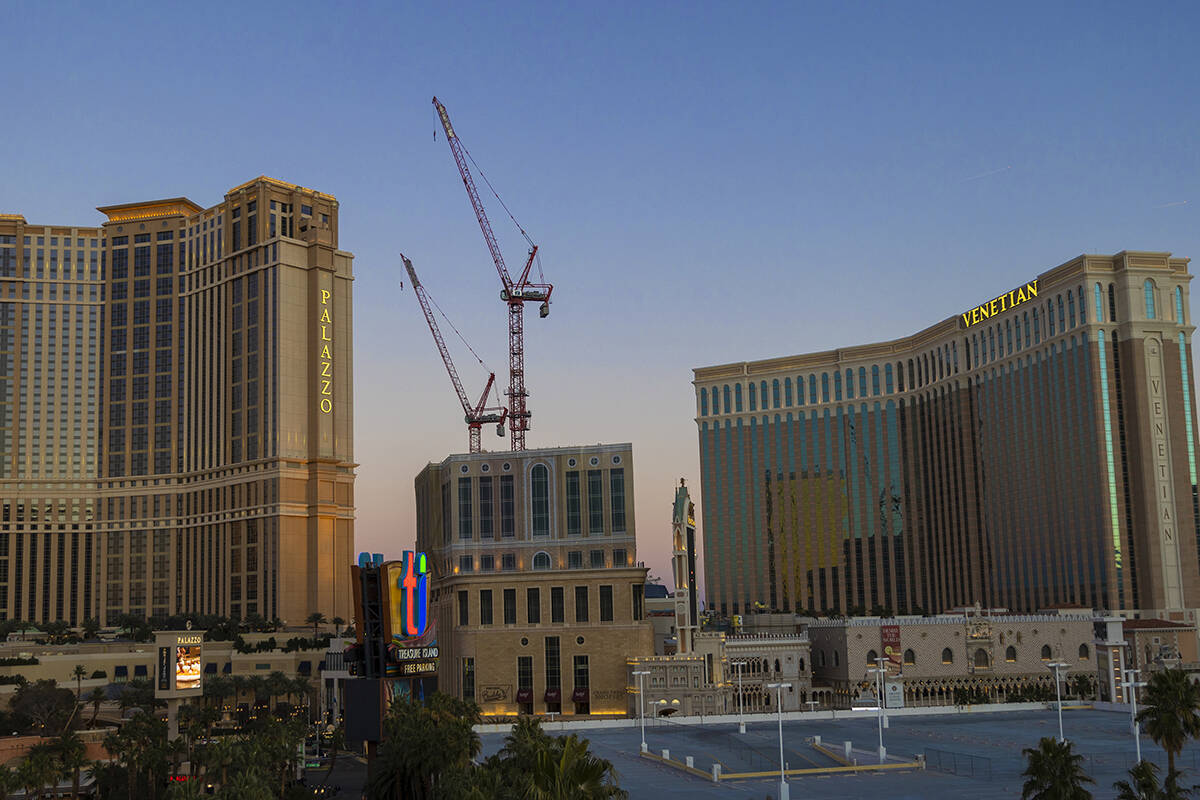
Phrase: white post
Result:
[741,701]
[1056,666]
[783,785]
[1132,686]
[642,705]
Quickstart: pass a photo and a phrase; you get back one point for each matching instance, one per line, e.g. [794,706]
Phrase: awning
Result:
[580,695]
[553,695]
[121,671]
[228,668]
[210,668]
[305,668]
[524,695]
[139,670]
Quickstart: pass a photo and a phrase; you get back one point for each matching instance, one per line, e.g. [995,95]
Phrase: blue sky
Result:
[707,182]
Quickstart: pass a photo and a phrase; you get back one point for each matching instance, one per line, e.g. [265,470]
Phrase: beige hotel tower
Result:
[176,411]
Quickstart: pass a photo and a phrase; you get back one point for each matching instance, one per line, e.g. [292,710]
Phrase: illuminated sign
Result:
[411,669]
[1001,304]
[187,668]
[409,585]
[326,360]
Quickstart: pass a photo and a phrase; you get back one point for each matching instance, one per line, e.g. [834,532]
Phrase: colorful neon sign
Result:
[411,583]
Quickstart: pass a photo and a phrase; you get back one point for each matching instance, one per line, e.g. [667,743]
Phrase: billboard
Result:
[187,667]
[889,641]
[180,668]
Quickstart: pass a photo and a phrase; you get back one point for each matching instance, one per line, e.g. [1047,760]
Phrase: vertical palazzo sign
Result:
[1164,490]
[326,354]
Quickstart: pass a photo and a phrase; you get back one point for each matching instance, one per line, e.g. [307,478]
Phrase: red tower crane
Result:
[515,294]
[478,414]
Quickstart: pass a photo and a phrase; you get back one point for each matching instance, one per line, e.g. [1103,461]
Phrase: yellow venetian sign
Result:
[326,359]
[1001,304]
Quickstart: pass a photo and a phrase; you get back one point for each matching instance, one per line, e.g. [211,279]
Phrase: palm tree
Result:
[246,785]
[1170,715]
[1144,784]
[90,627]
[219,755]
[78,674]
[1054,772]
[72,754]
[338,622]
[316,618]
[96,697]
[39,769]
[567,769]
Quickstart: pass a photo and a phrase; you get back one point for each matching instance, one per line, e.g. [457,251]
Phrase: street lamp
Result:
[741,699]
[642,704]
[779,687]
[879,671]
[1132,686]
[1056,666]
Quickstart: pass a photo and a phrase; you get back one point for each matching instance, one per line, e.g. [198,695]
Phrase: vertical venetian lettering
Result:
[326,354]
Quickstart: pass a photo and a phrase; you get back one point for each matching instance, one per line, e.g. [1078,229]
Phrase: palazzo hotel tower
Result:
[176,423]
[1034,451]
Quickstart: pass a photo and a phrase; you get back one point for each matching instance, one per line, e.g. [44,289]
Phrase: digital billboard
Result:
[187,668]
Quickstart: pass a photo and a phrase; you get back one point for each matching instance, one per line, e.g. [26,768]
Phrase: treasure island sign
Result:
[1001,304]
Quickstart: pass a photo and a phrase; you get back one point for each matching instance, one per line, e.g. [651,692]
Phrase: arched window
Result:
[836,659]
[871,656]
[1008,335]
[540,492]
[1010,655]
[910,658]
[703,403]
[1062,320]
[1025,324]
[973,355]
[862,381]
[1037,328]
[1148,287]
[824,387]
[981,659]
[849,384]
[874,380]
[887,378]
[1071,309]
[541,560]
[716,406]
[775,399]
[1099,294]
[1084,655]
[821,657]
[800,664]
[947,656]
[991,344]
[1112,303]
[777,670]
[799,390]
[837,386]
[737,397]
[787,392]
[725,394]
[812,388]
[1045,652]
[1179,306]
[1050,315]
[753,398]
[762,392]
[1082,306]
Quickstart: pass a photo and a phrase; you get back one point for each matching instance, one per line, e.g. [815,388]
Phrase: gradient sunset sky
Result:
[708,182]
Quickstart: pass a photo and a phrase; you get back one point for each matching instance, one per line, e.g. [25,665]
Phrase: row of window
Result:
[533,605]
[543,561]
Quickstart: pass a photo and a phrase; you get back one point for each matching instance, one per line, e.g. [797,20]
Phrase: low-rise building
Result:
[951,658]
[1154,644]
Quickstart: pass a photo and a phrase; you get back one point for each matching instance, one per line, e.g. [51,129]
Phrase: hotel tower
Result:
[1036,450]
[176,411]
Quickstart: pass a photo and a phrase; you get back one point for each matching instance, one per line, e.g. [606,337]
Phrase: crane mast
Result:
[515,294]
[475,415]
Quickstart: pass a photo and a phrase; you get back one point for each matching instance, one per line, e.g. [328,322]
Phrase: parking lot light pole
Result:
[783,785]
[642,704]
[741,699]
[878,671]
[1056,666]
[1132,686]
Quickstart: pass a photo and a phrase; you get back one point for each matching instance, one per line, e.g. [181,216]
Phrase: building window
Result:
[981,659]
[1046,652]
[619,558]
[508,562]
[871,656]
[557,613]
[597,559]
[533,605]
[638,589]
[595,501]
[581,604]
[947,656]
[575,559]
[468,678]
[1084,655]
[525,680]
[606,604]
[553,667]
[910,658]
[616,498]
[1148,287]
[464,508]
[581,682]
[574,509]
[1010,654]
[485,507]
[465,564]
[510,606]
[485,606]
[540,478]
[463,616]
[487,563]
[507,523]
[541,560]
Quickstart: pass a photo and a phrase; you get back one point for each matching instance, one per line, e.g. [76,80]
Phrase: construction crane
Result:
[477,415]
[515,294]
